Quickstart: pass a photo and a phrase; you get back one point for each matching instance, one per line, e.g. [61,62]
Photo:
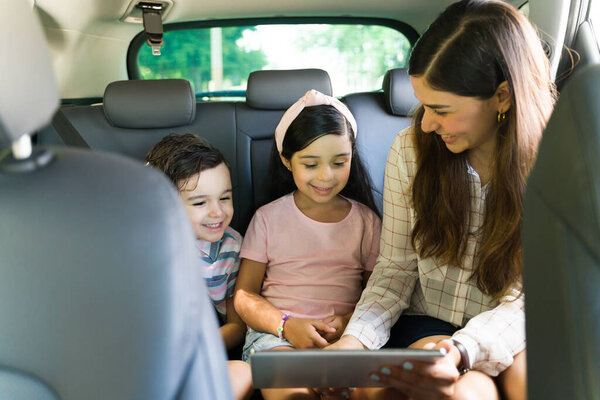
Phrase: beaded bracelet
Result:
[284,318]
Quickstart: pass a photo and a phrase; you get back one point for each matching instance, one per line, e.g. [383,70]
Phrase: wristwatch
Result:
[463,365]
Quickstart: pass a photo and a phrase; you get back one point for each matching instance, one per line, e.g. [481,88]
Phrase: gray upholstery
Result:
[27,98]
[100,297]
[378,126]
[143,104]
[399,96]
[244,131]
[561,246]
[254,140]
[215,122]
[278,90]
[17,386]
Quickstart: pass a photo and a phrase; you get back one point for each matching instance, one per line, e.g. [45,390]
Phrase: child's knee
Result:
[475,385]
[241,379]
[513,381]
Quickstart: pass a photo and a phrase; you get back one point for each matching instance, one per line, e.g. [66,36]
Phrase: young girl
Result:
[307,254]
[449,272]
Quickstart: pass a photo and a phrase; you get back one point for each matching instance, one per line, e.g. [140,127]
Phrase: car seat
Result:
[561,248]
[99,297]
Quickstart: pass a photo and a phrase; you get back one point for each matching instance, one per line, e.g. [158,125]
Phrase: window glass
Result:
[594,17]
[218,60]
[525,9]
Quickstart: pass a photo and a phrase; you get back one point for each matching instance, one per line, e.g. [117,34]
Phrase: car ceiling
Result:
[89,41]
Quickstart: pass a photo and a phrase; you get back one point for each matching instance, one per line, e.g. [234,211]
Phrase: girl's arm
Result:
[252,308]
[234,330]
[262,316]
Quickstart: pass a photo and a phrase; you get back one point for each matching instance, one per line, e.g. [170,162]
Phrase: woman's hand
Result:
[334,393]
[423,380]
[347,342]
[338,322]
[303,333]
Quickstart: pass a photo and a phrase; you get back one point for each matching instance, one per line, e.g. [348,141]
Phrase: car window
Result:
[594,17]
[524,8]
[218,60]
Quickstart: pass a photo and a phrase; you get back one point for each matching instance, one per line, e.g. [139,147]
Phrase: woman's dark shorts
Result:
[410,328]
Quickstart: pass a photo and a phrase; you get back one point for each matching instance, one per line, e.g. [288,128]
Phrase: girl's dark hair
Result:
[180,156]
[312,123]
[469,50]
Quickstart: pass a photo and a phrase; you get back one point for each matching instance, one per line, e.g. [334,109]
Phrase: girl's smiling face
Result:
[321,170]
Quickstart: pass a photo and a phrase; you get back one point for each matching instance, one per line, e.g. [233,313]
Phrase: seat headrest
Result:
[399,96]
[29,95]
[278,90]
[161,103]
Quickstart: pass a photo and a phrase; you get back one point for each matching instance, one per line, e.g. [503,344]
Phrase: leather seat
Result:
[99,297]
[380,116]
[561,248]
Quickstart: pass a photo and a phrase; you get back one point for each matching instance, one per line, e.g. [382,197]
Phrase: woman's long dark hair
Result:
[312,123]
[472,48]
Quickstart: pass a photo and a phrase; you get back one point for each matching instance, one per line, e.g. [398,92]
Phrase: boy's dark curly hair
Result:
[181,156]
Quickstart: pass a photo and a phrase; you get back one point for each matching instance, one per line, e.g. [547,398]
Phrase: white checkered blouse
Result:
[491,332]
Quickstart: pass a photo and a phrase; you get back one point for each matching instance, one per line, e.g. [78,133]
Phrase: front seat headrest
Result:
[29,95]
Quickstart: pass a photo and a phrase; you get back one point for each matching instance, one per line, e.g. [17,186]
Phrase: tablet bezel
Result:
[315,368]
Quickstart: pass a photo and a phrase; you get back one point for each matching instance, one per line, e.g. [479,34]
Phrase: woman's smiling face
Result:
[463,123]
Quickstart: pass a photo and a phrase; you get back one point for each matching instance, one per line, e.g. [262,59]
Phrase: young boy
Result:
[202,176]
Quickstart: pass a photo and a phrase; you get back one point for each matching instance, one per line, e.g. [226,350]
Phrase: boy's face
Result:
[208,202]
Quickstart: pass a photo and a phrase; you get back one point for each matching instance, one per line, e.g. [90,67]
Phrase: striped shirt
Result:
[221,262]
[492,332]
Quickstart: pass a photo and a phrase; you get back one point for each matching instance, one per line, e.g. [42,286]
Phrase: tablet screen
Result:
[316,368]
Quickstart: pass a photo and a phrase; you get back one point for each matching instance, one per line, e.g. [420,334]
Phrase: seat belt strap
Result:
[67,131]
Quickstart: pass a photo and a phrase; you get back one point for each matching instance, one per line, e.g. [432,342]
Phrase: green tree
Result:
[367,51]
[186,54]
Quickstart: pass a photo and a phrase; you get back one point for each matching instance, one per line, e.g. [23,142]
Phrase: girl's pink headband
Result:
[311,98]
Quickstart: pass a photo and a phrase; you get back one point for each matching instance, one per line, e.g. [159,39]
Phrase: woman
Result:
[449,269]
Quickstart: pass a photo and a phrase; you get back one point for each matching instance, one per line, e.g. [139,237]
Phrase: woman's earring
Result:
[501,117]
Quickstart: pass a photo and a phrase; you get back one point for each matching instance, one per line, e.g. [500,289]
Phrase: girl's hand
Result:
[303,333]
[422,380]
[338,322]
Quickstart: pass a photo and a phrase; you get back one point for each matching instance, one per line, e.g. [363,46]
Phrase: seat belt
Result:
[151,14]
[67,131]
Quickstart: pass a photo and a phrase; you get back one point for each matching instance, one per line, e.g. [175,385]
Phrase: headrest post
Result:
[21,148]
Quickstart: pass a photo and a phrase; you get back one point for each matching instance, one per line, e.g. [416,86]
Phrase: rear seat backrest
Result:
[379,117]
[268,95]
[137,114]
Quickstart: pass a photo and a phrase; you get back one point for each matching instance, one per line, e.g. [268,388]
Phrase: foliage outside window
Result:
[218,60]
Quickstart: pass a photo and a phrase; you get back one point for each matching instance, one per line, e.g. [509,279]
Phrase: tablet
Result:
[316,368]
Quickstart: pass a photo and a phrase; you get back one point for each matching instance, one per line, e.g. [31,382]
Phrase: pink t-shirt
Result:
[314,269]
